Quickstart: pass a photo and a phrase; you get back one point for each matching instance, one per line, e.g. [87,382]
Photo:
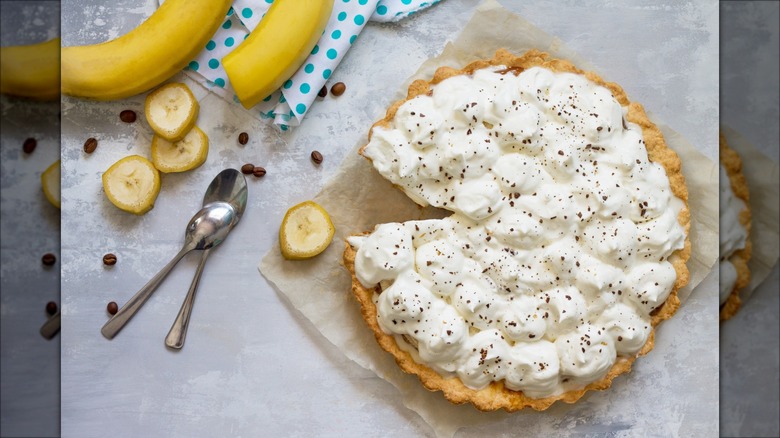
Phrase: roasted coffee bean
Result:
[29,145]
[243,138]
[51,308]
[49,259]
[338,89]
[323,91]
[127,116]
[258,172]
[90,145]
[248,169]
[112,308]
[109,259]
[317,157]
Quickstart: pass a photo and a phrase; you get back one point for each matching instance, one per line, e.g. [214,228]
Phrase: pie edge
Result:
[731,161]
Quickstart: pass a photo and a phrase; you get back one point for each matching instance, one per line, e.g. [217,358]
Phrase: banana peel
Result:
[277,48]
[145,57]
[31,71]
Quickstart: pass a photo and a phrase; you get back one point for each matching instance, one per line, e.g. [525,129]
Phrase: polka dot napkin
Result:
[288,105]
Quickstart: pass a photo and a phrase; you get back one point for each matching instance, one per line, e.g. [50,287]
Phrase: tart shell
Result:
[730,160]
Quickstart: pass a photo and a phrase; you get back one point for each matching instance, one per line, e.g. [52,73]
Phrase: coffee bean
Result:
[338,89]
[90,145]
[51,308]
[323,91]
[112,308]
[49,259]
[247,169]
[109,259]
[29,145]
[317,157]
[243,138]
[127,116]
[258,172]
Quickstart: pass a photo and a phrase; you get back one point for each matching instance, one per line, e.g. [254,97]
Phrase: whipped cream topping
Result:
[733,234]
[556,251]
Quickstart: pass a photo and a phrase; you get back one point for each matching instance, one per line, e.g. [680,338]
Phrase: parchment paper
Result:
[358,198]
[762,176]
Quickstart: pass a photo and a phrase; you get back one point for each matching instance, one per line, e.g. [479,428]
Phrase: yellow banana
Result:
[276,48]
[31,71]
[144,57]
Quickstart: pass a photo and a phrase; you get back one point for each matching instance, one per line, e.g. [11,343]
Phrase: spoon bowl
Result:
[228,186]
[210,226]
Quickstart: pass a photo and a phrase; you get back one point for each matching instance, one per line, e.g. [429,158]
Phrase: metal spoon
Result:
[229,186]
[207,229]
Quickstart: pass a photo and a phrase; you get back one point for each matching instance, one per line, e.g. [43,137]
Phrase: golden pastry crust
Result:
[496,396]
[730,161]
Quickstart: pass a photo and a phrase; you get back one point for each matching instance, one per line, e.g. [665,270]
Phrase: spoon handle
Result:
[51,326]
[115,324]
[178,332]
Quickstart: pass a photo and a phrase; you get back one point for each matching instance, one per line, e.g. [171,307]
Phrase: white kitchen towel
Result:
[289,105]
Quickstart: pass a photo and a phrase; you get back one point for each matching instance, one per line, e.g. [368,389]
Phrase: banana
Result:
[31,71]
[183,155]
[171,111]
[50,180]
[144,57]
[132,184]
[306,231]
[276,48]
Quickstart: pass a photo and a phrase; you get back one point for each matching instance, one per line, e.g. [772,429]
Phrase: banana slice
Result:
[305,232]
[171,111]
[186,154]
[50,180]
[132,184]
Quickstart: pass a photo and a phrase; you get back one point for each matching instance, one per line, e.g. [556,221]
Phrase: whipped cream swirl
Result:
[557,249]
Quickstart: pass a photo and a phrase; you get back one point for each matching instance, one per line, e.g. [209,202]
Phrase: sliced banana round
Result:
[50,180]
[171,111]
[306,231]
[132,184]
[185,154]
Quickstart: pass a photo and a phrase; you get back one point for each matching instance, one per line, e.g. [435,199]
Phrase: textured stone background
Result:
[29,228]
[251,365]
[750,104]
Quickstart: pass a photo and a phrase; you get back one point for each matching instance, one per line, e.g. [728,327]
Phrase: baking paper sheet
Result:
[763,178]
[359,198]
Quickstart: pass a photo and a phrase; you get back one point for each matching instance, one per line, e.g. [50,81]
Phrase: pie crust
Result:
[730,161]
[496,396]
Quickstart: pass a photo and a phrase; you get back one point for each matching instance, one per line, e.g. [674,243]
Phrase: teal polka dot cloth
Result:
[288,105]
